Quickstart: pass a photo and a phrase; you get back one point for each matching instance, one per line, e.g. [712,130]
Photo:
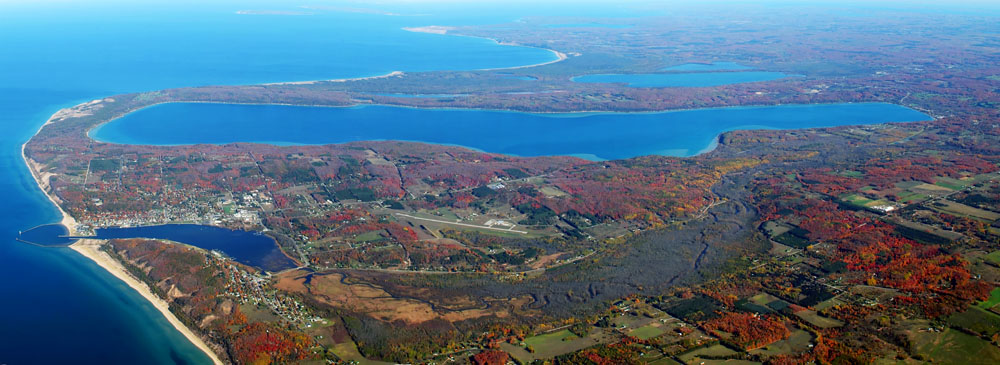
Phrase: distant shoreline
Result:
[91,250]
[388,75]
[443,30]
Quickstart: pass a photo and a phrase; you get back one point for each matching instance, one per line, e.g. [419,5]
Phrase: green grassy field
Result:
[948,206]
[950,183]
[909,196]
[827,304]
[551,345]
[856,199]
[954,347]
[549,339]
[993,258]
[994,298]
[370,236]
[797,342]
[446,214]
[817,320]
[714,351]
[665,361]
[977,320]
[348,351]
[648,332]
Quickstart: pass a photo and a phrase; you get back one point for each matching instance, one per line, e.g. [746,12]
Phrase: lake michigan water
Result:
[58,307]
[55,305]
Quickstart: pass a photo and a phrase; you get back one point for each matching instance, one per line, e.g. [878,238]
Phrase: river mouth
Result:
[597,136]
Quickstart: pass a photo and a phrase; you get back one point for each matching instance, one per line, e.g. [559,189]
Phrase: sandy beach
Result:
[388,75]
[443,30]
[432,29]
[91,248]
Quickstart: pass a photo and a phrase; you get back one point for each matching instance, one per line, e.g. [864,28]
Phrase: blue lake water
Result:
[700,79]
[59,307]
[598,135]
[249,248]
[708,67]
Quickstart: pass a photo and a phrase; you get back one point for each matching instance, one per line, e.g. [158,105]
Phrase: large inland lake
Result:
[591,135]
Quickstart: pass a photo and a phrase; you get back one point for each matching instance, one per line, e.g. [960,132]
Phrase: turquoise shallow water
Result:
[602,135]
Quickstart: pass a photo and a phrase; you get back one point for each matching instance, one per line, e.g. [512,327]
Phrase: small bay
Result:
[249,248]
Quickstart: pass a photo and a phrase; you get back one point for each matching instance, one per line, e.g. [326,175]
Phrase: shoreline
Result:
[443,30]
[313,82]
[90,249]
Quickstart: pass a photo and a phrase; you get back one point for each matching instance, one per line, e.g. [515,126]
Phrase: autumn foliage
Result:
[490,357]
[748,330]
[263,343]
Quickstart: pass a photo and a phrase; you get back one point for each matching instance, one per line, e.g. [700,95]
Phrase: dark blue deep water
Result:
[593,135]
[250,248]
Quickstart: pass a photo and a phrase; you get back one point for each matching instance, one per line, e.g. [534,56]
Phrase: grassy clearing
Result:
[797,342]
[910,196]
[446,214]
[348,351]
[932,188]
[993,300]
[549,339]
[954,347]
[949,183]
[949,206]
[908,184]
[647,332]
[551,345]
[550,191]
[827,304]
[856,199]
[775,228]
[370,236]
[665,361]
[713,351]
[817,320]
[977,320]
[993,258]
